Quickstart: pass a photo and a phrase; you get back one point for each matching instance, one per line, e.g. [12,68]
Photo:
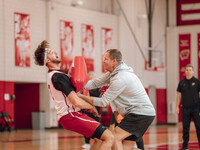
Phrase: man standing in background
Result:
[188,93]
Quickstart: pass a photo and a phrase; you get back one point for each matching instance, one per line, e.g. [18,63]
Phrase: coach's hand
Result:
[93,111]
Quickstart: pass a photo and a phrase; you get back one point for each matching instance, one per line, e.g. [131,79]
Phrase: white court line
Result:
[172,143]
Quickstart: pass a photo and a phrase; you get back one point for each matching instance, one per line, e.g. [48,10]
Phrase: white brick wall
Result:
[45,25]
[1,42]
[94,5]
[37,12]
[81,16]
[134,9]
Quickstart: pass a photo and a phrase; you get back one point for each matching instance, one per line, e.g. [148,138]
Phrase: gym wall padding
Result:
[27,101]
[161,105]
[8,104]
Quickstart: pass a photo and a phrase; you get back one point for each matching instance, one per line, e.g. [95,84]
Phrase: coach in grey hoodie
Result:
[126,95]
[125,91]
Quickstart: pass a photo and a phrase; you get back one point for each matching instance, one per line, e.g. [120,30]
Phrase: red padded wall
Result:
[27,101]
[9,104]
[1,96]
[161,105]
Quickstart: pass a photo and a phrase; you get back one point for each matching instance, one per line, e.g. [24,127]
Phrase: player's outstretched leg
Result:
[95,144]
[107,139]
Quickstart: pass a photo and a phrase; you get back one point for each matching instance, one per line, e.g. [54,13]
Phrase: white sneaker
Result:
[85,146]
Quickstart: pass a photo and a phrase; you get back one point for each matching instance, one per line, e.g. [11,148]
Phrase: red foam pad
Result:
[78,73]
[86,92]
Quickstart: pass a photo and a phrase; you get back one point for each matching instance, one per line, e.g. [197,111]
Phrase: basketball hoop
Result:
[157,63]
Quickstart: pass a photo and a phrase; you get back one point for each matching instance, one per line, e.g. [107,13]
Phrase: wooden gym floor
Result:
[158,137]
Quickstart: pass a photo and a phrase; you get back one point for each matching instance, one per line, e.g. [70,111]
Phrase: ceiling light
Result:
[80,2]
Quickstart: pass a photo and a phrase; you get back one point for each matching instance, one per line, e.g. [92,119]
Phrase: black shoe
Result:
[184,148]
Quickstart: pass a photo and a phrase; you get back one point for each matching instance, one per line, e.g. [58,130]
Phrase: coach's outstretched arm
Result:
[80,103]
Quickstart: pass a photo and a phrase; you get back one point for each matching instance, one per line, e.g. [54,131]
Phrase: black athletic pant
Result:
[187,114]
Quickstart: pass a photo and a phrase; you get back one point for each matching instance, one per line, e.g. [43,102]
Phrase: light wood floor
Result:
[158,137]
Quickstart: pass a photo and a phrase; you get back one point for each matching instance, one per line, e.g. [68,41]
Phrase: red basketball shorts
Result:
[80,123]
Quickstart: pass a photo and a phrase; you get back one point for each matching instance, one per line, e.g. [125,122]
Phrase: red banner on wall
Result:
[184,53]
[22,39]
[88,46]
[66,44]
[188,12]
[106,42]
[198,41]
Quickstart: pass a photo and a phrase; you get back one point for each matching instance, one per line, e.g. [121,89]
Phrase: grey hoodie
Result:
[126,93]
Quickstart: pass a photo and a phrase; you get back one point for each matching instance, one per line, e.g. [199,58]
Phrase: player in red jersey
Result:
[67,104]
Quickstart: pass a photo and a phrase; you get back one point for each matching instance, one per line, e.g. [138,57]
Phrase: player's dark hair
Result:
[40,52]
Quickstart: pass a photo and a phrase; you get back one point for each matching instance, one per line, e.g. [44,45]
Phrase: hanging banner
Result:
[88,46]
[184,53]
[187,14]
[198,41]
[106,42]
[66,44]
[22,39]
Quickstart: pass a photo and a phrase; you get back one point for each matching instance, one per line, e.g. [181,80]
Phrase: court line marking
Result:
[30,140]
[172,143]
